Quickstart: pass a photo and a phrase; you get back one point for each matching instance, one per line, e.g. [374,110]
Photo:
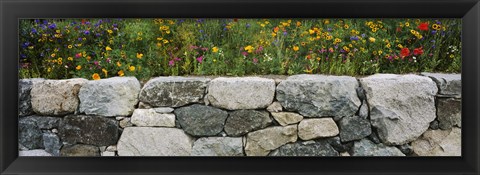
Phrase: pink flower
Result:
[244,53]
[171,63]
[177,59]
[259,49]
[96,63]
[200,59]
[255,60]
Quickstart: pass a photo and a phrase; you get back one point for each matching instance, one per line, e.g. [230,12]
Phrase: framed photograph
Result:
[241,87]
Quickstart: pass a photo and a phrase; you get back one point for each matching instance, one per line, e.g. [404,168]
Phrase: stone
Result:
[163,110]
[107,154]
[56,97]
[319,95]
[401,106]
[173,91]
[344,154]
[363,111]
[261,142]
[201,120]
[354,128]
[405,149]
[241,122]
[365,147]
[111,148]
[305,148]
[149,117]
[91,130]
[317,128]
[449,112]
[374,138]
[449,85]
[109,97]
[142,105]
[287,118]
[24,98]
[80,150]
[52,143]
[125,122]
[240,93]
[439,143]
[150,141]
[338,145]
[275,107]
[218,146]
[43,122]
[434,125]
[29,134]
[35,152]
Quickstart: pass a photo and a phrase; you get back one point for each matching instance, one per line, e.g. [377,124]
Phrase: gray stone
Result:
[439,143]
[115,96]
[163,110]
[261,142]
[201,120]
[91,130]
[80,150]
[338,145]
[287,118]
[111,148]
[363,111]
[401,106]
[36,152]
[240,93]
[305,148]
[174,91]
[125,122]
[449,112]
[108,154]
[374,138]
[405,148]
[241,122]
[56,97]
[344,154]
[449,85]
[142,105]
[150,141]
[354,128]
[43,122]
[149,117]
[434,125]
[365,147]
[24,98]
[275,107]
[319,95]
[317,128]
[52,143]
[29,134]
[218,146]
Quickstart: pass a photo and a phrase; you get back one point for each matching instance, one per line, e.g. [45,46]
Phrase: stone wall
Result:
[300,115]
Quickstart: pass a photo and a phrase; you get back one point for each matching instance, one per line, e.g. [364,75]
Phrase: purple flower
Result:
[88,23]
[363,35]
[86,32]
[109,60]
[34,30]
[52,26]
[355,38]
[285,33]
[37,21]
[96,63]
[200,59]
[259,49]
[115,25]
[329,29]
[177,59]
[171,63]
[23,56]
[247,25]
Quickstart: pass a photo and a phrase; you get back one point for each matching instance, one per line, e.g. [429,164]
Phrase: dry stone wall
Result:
[300,115]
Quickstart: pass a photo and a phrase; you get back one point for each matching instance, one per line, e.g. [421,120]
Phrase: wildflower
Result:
[121,73]
[295,48]
[52,55]
[423,26]
[70,59]
[418,51]
[337,40]
[405,52]
[400,46]
[436,26]
[109,31]
[299,23]
[78,67]
[139,55]
[95,76]
[215,49]
[105,71]
[108,48]
[131,68]
[303,43]
[171,63]
[86,32]
[310,31]
[388,45]
[249,49]
[346,26]
[69,46]
[452,56]
[200,59]
[165,41]
[371,39]
[49,69]
[255,60]
[78,55]
[407,24]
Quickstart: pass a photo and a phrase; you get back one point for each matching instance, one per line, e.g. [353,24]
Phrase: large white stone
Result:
[150,117]
[317,128]
[439,143]
[261,142]
[35,152]
[56,97]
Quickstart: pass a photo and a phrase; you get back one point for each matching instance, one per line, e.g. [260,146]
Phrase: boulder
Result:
[449,85]
[366,147]
[150,141]
[115,96]
[149,117]
[163,110]
[56,97]
[80,150]
[287,118]
[52,143]
[91,130]
[35,152]
[319,95]
[439,143]
[174,91]
[338,145]
[317,128]
[363,111]
[401,106]
[354,128]
[449,112]
[29,134]
[241,122]
[275,107]
[201,120]
[218,146]
[43,122]
[240,93]
[24,98]
[261,142]
[305,148]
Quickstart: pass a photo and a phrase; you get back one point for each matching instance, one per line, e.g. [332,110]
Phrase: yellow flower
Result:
[159,44]
[371,39]
[105,71]
[110,31]
[58,31]
[60,62]
[295,48]
[70,58]
[60,59]
[139,38]
[407,24]
[70,46]
[159,39]
[310,31]
[263,25]
[388,45]
[95,76]
[249,49]
[303,43]
[380,52]
[168,31]
[400,46]
[374,30]
[121,73]
[52,55]
[108,48]
[436,26]
[299,23]
[215,49]
[165,41]
[452,56]
[139,55]
[346,26]
[49,69]
[326,21]
[337,40]
[131,68]
[78,67]
[119,64]
[329,37]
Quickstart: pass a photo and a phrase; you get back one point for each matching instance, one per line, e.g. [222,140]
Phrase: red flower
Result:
[405,52]
[418,51]
[423,26]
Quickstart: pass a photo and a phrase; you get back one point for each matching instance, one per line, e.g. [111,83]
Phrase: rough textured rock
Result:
[338,145]
[449,85]
[374,138]
[80,150]
[365,147]
[201,120]
[434,125]
[56,97]
[91,130]
[174,91]
[35,152]
[115,96]
[24,98]
[401,106]
[108,154]
[363,111]
[218,146]
[29,134]
[305,148]
[149,117]
[52,143]
[287,118]
[125,122]
[354,128]
[317,128]
[241,122]
[149,141]
[43,122]
[163,110]
[439,143]
[241,93]
[449,112]
[261,142]
[406,149]
[319,95]
[275,107]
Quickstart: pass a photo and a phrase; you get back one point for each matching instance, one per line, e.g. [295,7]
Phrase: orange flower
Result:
[95,76]
[121,73]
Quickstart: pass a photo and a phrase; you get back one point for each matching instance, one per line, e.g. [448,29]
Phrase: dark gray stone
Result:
[366,147]
[29,135]
[43,122]
[92,130]
[361,93]
[449,112]
[338,145]
[374,138]
[52,143]
[354,128]
[201,120]
[241,122]
[305,148]
[80,150]
[434,125]
[24,98]
[363,110]
[449,85]
[405,148]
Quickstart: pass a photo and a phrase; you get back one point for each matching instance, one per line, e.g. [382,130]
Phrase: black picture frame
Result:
[12,10]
